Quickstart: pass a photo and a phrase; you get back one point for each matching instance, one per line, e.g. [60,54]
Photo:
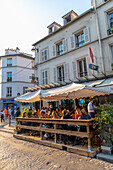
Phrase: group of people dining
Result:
[61,113]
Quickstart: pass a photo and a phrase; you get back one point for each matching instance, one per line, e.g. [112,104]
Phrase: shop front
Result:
[10,103]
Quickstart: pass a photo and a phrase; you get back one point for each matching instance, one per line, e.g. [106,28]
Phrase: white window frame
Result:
[43,56]
[79,34]
[9,92]
[44,77]
[10,64]
[82,67]
[62,77]
[9,79]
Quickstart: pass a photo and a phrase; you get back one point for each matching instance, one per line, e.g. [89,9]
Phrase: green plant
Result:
[29,113]
[104,118]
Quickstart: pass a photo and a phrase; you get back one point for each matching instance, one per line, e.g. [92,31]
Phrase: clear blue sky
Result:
[23,22]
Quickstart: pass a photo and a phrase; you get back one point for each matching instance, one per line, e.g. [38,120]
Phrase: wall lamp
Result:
[35,49]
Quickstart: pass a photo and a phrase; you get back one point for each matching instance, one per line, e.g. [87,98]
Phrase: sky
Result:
[24,22]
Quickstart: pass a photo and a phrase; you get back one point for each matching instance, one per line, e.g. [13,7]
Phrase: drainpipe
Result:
[99,38]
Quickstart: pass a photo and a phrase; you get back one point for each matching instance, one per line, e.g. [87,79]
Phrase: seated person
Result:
[24,116]
[78,113]
[84,116]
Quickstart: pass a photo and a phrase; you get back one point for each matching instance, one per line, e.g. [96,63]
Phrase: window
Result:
[9,76]
[52,29]
[80,39]
[60,73]
[110,23]
[82,68]
[60,48]
[24,90]
[44,55]
[67,19]
[9,62]
[45,77]
[9,92]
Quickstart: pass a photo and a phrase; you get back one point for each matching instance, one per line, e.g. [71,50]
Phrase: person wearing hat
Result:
[91,109]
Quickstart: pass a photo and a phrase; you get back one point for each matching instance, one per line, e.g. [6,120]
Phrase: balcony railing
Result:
[110,31]
[9,65]
[9,79]
[8,95]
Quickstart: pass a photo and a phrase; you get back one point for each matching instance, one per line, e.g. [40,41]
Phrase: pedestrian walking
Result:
[5,111]
[2,116]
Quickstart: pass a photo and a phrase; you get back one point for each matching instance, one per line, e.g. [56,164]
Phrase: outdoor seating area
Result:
[62,133]
[71,128]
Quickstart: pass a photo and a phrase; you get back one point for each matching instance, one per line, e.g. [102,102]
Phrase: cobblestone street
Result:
[18,154]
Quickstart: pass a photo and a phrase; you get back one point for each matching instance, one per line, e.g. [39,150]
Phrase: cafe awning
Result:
[94,83]
[29,97]
[73,91]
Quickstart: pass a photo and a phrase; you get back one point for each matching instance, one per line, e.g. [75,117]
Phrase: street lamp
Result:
[35,49]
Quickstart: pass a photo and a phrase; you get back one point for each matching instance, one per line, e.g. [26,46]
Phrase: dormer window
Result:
[69,17]
[51,30]
[53,27]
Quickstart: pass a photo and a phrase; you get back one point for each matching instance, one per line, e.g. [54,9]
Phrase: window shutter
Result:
[55,74]
[54,50]
[42,77]
[74,65]
[66,71]
[88,61]
[72,38]
[86,35]
[65,45]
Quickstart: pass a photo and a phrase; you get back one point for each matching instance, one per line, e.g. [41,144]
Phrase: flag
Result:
[91,55]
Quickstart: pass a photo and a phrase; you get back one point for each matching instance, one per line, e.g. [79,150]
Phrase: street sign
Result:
[93,67]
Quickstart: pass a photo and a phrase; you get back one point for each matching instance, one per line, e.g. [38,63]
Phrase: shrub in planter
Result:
[104,119]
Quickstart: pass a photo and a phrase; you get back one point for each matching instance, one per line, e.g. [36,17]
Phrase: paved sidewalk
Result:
[4,126]
[21,155]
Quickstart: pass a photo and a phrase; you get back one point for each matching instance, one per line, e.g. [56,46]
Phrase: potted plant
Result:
[104,119]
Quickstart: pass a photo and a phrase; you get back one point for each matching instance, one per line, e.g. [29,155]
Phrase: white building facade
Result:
[16,70]
[64,56]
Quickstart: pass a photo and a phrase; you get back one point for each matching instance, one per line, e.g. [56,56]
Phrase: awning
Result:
[29,97]
[107,82]
[73,91]
[94,83]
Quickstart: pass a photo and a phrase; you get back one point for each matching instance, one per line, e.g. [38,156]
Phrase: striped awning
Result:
[29,97]
[73,91]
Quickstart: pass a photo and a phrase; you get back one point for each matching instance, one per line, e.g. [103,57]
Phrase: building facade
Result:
[64,55]
[16,69]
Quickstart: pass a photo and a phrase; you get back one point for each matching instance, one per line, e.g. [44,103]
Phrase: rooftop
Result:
[63,27]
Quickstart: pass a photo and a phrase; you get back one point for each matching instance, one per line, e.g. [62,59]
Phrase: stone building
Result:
[15,71]
[64,55]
